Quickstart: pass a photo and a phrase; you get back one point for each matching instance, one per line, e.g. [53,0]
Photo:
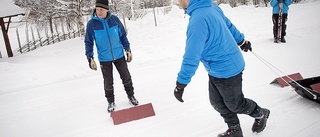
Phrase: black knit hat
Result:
[102,4]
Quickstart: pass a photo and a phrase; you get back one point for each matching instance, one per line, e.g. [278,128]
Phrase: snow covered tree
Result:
[72,11]
[137,8]
[75,11]
[42,11]
[124,7]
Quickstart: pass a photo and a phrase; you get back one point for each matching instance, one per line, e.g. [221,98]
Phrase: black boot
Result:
[261,122]
[111,107]
[133,100]
[233,131]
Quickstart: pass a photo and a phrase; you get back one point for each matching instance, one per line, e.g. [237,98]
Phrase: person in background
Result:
[275,18]
[214,40]
[107,32]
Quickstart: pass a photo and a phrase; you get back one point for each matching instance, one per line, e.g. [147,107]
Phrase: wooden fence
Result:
[35,37]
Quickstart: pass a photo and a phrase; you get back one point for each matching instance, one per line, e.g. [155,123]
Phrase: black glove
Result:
[129,55]
[178,91]
[245,45]
[92,63]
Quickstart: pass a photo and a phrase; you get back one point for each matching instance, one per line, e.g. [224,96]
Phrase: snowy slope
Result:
[52,92]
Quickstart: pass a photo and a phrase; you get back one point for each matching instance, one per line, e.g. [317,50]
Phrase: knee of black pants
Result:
[242,106]
[275,20]
[219,105]
[275,24]
[221,109]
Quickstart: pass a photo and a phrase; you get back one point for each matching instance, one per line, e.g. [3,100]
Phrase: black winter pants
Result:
[107,72]
[275,21]
[226,97]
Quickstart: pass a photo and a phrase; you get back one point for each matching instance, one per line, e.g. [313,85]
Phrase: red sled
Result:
[308,88]
[133,113]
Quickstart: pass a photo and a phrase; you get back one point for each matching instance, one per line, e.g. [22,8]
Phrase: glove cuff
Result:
[89,59]
[242,42]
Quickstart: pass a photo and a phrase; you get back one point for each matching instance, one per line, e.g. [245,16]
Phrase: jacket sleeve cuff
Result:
[180,85]
[241,43]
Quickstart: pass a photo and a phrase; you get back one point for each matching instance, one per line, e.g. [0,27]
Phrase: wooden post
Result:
[18,37]
[132,12]
[27,36]
[55,24]
[62,28]
[47,35]
[34,40]
[6,38]
[154,14]
[52,36]
[39,37]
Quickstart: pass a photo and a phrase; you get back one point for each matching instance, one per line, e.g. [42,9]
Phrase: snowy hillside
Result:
[52,92]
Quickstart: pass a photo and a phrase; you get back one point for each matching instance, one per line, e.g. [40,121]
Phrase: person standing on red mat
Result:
[213,40]
[110,37]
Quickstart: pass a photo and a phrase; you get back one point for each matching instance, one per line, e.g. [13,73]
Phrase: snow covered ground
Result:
[52,92]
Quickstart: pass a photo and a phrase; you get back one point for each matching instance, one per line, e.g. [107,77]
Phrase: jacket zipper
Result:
[107,28]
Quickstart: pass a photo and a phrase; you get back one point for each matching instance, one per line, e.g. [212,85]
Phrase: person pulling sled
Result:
[219,49]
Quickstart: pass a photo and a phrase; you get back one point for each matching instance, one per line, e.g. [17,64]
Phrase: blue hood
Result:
[195,4]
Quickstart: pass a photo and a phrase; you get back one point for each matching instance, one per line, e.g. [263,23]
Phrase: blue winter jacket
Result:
[109,36]
[275,5]
[211,39]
